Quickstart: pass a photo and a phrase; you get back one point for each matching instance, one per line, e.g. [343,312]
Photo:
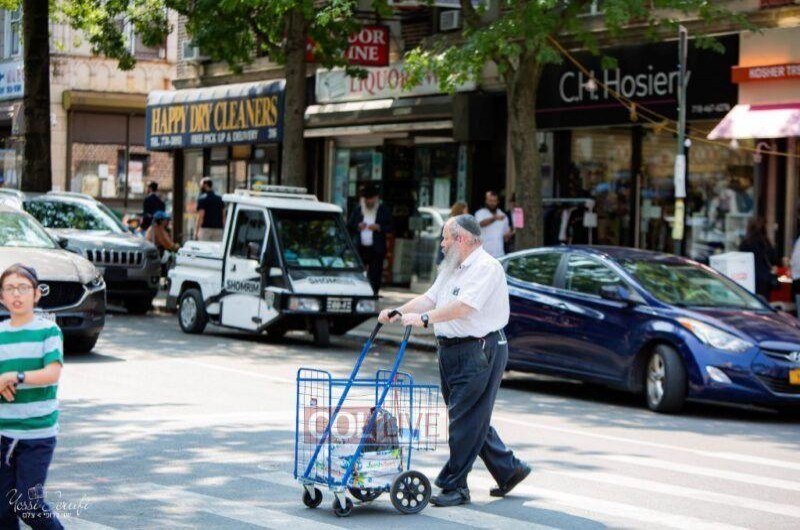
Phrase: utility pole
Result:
[679,223]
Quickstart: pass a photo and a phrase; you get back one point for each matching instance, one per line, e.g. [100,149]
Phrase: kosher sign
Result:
[774,72]
[379,83]
[646,75]
[367,47]
[231,114]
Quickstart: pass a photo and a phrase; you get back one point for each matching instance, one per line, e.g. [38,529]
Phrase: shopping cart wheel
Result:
[348,507]
[411,492]
[364,495]
[312,502]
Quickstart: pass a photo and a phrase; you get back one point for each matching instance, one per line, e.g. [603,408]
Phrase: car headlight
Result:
[298,303]
[365,306]
[97,283]
[715,337]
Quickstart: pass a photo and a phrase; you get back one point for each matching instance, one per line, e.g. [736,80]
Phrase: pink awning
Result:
[759,121]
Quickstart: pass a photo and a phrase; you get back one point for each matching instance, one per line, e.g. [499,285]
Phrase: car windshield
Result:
[19,230]
[75,215]
[689,285]
[314,240]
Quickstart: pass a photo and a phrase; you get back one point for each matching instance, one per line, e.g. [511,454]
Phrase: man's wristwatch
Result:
[424,317]
[20,377]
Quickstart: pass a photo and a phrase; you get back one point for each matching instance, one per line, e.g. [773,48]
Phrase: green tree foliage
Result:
[517,37]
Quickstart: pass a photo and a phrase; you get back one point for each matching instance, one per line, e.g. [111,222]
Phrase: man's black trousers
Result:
[471,373]
[374,262]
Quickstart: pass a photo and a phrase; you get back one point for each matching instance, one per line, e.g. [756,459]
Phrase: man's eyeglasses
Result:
[21,289]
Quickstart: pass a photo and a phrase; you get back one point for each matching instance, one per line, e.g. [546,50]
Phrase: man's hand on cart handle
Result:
[389,315]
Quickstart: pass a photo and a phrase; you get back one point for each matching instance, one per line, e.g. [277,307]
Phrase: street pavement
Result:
[166,430]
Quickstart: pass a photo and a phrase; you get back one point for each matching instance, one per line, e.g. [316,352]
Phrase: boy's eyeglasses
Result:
[21,289]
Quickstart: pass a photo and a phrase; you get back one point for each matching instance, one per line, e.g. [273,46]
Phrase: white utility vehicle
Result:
[285,262]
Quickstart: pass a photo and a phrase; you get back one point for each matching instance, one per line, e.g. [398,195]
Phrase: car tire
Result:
[80,344]
[139,306]
[665,380]
[192,315]
[322,332]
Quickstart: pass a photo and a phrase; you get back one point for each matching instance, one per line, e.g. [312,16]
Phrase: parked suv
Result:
[130,265]
[73,291]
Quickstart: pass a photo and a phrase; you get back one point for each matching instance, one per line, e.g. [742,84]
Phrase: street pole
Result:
[679,222]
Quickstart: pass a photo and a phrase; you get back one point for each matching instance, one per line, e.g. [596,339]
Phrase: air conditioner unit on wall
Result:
[192,52]
[449,20]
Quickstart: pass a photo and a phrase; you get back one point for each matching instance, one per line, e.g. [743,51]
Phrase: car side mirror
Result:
[275,272]
[253,250]
[616,293]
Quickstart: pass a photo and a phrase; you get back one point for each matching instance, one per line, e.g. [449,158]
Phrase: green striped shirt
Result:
[34,411]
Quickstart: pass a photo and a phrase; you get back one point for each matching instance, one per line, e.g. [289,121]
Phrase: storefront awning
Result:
[759,121]
[241,113]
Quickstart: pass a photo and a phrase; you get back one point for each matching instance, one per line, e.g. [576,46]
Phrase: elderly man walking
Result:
[468,307]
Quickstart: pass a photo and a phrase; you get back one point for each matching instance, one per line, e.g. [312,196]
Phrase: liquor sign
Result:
[775,72]
[367,47]
[243,113]
[389,82]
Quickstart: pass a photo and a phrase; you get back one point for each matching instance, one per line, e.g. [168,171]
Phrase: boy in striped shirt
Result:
[31,356]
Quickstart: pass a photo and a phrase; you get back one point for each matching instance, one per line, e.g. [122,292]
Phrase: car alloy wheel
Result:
[656,373]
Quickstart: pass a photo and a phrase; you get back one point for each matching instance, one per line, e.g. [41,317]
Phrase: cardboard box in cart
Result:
[738,266]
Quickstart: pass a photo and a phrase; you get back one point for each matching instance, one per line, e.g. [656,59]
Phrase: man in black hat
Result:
[468,307]
[369,224]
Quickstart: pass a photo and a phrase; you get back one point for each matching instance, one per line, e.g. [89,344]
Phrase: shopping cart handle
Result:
[393,313]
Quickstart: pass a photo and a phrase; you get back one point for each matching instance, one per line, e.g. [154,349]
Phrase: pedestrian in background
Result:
[495,227]
[152,203]
[369,224]
[795,270]
[210,213]
[764,255]
[468,307]
[32,355]
[458,208]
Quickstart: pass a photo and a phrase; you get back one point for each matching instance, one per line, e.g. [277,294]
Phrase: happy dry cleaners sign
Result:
[647,75]
[225,115]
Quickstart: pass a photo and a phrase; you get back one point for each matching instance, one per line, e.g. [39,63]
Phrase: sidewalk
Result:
[393,333]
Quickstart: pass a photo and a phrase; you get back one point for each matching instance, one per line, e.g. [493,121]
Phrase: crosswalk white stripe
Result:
[460,515]
[706,472]
[620,510]
[680,491]
[232,509]
[74,523]
[586,433]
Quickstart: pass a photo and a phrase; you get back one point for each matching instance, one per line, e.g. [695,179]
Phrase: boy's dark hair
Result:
[19,269]
[153,186]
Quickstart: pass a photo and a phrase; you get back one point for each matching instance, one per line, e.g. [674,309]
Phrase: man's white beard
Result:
[366,210]
[449,264]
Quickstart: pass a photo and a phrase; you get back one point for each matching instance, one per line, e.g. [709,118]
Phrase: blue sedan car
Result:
[651,323]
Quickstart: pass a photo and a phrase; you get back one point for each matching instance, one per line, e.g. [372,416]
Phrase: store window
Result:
[192,173]
[601,170]
[720,197]
[13,31]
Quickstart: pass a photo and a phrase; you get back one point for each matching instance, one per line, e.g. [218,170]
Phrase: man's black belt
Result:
[452,341]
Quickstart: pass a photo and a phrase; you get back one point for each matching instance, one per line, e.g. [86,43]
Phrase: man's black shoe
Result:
[522,471]
[451,497]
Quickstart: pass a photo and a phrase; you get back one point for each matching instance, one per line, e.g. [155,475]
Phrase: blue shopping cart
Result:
[357,435]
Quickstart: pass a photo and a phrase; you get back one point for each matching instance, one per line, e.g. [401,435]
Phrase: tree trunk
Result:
[37,171]
[293,163]
[522,85]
